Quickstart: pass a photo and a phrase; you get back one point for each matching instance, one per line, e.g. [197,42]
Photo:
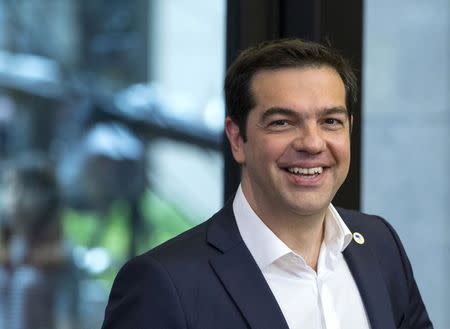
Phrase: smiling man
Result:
[279,255]
[296,154]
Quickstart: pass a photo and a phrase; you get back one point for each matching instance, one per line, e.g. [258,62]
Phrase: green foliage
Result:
[90,229]
[164,220]
[116,236]
[79,227]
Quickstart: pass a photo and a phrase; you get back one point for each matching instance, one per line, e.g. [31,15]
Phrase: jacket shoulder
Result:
[373,225]
[380,237]
[190,248]
[394,264]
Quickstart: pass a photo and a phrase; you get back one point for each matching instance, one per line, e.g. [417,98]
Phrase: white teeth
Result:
[306,171]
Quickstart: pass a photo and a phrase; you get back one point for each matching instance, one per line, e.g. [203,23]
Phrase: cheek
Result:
[265,152]
[341,150]
[272,149]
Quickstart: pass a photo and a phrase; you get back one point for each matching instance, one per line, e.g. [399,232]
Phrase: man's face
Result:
[297,152]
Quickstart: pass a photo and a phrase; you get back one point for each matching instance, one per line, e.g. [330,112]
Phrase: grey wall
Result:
[406,141]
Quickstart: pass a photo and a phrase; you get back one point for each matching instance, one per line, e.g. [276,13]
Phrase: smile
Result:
[306,172]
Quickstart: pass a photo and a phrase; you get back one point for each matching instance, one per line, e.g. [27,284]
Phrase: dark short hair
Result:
[277,54]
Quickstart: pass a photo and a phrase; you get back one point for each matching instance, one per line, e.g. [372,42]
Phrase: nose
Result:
[309,140]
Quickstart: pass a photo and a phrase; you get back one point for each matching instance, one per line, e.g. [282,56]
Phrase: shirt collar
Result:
[266,247]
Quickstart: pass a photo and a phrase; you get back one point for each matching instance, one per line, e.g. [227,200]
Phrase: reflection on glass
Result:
[35,267]
[123,101]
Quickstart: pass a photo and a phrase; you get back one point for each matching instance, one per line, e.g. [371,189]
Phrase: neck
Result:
[302,233]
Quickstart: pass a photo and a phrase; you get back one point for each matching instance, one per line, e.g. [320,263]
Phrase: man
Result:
[278,255]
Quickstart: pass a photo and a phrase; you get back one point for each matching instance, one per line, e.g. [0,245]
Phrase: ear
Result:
[235,139]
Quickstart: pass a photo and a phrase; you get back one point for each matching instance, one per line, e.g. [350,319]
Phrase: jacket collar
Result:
[247,286]
[240,275]
[366,271]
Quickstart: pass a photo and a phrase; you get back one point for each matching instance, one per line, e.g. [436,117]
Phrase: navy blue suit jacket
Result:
[206,278]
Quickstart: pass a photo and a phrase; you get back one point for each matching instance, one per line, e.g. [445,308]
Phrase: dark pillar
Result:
[327,21]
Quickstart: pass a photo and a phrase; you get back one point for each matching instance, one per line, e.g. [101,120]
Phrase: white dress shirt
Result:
[326,299]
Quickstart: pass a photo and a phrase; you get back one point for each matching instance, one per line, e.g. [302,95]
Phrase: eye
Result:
[279,123]
[333,122]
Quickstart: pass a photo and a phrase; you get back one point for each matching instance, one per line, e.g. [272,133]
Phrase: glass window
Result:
[186,65]
[111,119]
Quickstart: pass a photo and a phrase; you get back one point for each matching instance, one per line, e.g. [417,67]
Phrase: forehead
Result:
[298,88]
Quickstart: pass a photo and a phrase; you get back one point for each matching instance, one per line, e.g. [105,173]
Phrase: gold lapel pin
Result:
[358,237]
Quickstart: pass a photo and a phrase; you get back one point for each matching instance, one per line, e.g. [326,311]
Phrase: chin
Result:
[306,205]
[308,209]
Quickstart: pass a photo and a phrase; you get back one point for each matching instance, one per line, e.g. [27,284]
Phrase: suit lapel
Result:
[372,287]
[246,285]
[241,276]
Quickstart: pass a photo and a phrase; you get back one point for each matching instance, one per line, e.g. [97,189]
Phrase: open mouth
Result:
[305,172]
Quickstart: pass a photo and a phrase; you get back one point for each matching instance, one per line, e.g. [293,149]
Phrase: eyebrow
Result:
[277,110]
[335,110]
[289,112]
